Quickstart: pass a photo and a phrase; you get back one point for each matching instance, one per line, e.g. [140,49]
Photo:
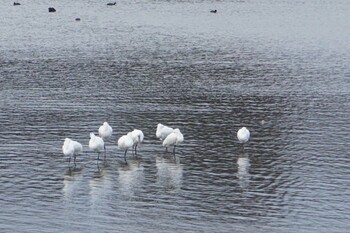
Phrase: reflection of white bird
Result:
[243,135]
[101,189]
[163,131]
[173,139]
[243,166]
[243,171]
[169,173]
[71,182]
[130,177]
[137,137]
[125,142]
[96,144]
[71,148]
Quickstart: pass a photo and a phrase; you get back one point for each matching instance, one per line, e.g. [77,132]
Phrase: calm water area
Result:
[278,67]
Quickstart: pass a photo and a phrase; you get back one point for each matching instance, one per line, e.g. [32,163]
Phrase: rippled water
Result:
[280,68]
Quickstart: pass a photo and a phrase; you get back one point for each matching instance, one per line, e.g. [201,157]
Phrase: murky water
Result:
[280,68]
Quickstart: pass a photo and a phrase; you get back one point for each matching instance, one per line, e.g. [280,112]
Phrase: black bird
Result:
[77,19]
[51,9]
[213,11]
[111,4]
[16,3]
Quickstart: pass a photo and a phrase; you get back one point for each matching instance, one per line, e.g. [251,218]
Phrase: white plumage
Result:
[243,135]
[137,137]
[105,131]
[78,148]
[68,148]
[173,139]
[96,144]
[163,131]
[71,148]
[125,142]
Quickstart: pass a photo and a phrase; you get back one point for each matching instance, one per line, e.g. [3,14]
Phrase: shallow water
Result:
[280,68]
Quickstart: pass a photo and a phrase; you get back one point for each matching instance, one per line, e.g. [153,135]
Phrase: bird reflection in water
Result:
[169,172]
[70,181]
[100,186]
[243,171]
[130,176]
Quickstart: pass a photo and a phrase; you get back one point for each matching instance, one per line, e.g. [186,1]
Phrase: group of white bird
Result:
[132,140]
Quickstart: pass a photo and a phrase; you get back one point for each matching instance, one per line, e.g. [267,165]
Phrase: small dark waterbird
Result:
[213,11]
[16,3]
[111,3]
[51,9]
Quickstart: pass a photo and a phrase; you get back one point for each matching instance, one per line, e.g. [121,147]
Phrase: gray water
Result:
[280,68]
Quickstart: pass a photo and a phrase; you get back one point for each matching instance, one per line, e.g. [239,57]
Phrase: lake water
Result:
[278,67]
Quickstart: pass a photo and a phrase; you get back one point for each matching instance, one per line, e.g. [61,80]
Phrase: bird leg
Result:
[174,150]
[69,161]
[136,148]
[74,161]
[98,166]
[133,149]
[105,152]
[125,154]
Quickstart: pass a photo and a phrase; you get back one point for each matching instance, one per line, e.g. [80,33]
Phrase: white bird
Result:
[137,137]
[71,148]
[243,135]
[68,148]
[173,139]
[96,144]
[105,131]
[125,142]
[163,131]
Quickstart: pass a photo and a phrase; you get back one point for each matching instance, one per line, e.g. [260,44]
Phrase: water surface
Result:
[280,68]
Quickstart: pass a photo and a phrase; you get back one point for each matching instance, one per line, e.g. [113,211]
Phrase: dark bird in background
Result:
[16,3]
[51,9]
[213,11]
[111,3]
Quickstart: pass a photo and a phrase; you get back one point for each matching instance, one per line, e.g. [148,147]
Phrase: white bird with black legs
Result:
[71,148]
[137,137]
[173,139]
[125,142]
[96,144]
[243,135]
[105,131]
[163,131]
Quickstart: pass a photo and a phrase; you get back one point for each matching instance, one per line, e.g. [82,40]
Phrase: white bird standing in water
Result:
[163,131]
[173,139]
[243,135]
[137,137]
[125,142]
[105,131]
[96,144]
[71,148]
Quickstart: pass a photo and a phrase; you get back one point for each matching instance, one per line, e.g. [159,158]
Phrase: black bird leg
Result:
[125,155]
